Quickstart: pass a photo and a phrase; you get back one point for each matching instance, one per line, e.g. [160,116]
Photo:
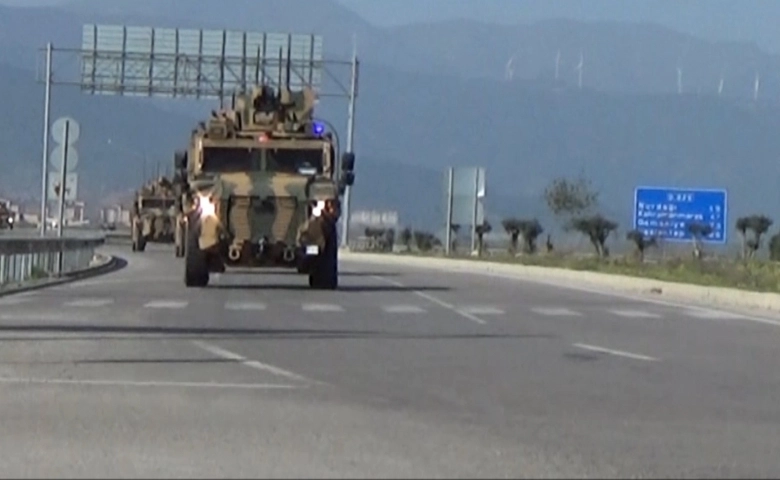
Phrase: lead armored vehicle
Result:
[259,188]
[154,214]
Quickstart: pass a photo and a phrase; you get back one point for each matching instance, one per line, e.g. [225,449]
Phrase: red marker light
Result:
[263,137]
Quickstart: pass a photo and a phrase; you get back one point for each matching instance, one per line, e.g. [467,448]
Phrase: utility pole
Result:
[448,226]
[350,140]
[46,120]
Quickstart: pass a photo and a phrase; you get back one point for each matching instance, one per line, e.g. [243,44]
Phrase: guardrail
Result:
[29,257]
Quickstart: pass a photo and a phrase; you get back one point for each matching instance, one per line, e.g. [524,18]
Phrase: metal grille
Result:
[255,217]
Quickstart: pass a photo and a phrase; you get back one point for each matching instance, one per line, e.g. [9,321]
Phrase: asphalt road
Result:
[401,373]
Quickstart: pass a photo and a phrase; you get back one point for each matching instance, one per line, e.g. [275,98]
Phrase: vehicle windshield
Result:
[304,162]
[281,160]
[164,203]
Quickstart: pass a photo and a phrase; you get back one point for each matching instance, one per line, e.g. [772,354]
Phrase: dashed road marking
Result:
[11,301]
[714,314]
[482,310]
[403,309]
[618,353]
[89,302]
[635,314]
[173,304]
[245,306]
[321,307]
[556,312]
[228,355]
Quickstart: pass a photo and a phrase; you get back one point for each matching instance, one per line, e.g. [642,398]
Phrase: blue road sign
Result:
[665,213]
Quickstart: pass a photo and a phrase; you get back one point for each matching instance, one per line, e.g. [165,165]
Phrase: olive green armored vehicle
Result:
[153,215]
[259,188]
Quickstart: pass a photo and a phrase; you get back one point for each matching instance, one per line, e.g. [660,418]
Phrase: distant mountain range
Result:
[438,95]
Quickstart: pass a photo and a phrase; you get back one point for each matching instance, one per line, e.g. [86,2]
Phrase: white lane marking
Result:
[433,299]
[403,309]
[556,312]
[482,310]
[245,306]
[321,307]
[90,302]
[595,291]
[227,354]
[635,314]
[618,353]
[715,315]
[166,304]
[130,383]
[37,317]
[10,301]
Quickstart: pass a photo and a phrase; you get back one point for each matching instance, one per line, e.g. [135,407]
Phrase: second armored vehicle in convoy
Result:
[259,188]
[153,216]
[6,217]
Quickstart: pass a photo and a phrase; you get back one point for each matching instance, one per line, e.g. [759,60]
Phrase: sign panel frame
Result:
[71,186]
[666,212]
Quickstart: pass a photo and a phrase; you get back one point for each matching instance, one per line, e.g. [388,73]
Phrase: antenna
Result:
[756,85]
[279,85]
[557,64]
[679,80]
[289,54]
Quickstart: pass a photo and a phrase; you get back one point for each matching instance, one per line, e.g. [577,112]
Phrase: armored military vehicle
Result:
[6,217]
[259,189]
[154,214]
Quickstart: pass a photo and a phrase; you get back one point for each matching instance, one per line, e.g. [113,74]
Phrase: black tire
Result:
[141,243]
[179,234]
[196,268]
[325,274]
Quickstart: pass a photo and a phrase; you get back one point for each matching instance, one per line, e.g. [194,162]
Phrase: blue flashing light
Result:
[319,128]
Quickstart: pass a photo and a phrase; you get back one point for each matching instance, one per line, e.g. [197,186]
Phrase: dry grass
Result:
[756,275]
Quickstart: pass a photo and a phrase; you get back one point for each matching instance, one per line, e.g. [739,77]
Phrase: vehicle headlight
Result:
[319,207]
[207,207]
[10,219]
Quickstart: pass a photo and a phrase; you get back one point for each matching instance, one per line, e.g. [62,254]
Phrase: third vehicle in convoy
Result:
[259,188]
[154,214]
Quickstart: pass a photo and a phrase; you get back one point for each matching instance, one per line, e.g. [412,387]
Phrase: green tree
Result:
[597,229]
[641,242]
[698,231]
[406,238]
[512,228]
[530,230]
[481,230]
[567,198]
[455,228]
[759,225]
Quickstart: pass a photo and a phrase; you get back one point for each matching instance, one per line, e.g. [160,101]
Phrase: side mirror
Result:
[347,162]
[348,178]
[180,160]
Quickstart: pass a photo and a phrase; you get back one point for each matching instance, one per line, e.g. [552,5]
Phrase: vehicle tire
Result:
[178,239]
[325,273]
[141,242]
[196,268]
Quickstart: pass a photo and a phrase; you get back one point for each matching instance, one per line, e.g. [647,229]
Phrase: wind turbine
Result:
[720,85]
[579,68]
[509,71]
[679,80]
[756,85]
[557,64]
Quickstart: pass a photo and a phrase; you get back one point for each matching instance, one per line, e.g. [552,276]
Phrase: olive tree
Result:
[597,229]
[759,225]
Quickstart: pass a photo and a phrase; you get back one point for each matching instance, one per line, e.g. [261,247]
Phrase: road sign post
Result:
[666,213]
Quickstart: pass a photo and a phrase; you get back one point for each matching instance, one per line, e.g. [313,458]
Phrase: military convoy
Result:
[258,187]
[154,214]
[6,217]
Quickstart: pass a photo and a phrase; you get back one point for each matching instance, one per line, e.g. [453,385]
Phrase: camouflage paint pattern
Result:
[155,222]
[6,216]
[259,204]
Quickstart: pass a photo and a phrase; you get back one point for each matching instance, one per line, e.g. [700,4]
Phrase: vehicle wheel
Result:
[325,274]
[178,239]
[141,243]
[196,268]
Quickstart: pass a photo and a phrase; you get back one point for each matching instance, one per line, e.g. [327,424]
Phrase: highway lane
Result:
[402,372]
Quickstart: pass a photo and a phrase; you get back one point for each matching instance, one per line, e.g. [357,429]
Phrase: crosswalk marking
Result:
[714,315]
[89,302]
[556,312]
[321,307]
[482,310]
[403,309]
[166,304]
[635,314]
[245,306]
